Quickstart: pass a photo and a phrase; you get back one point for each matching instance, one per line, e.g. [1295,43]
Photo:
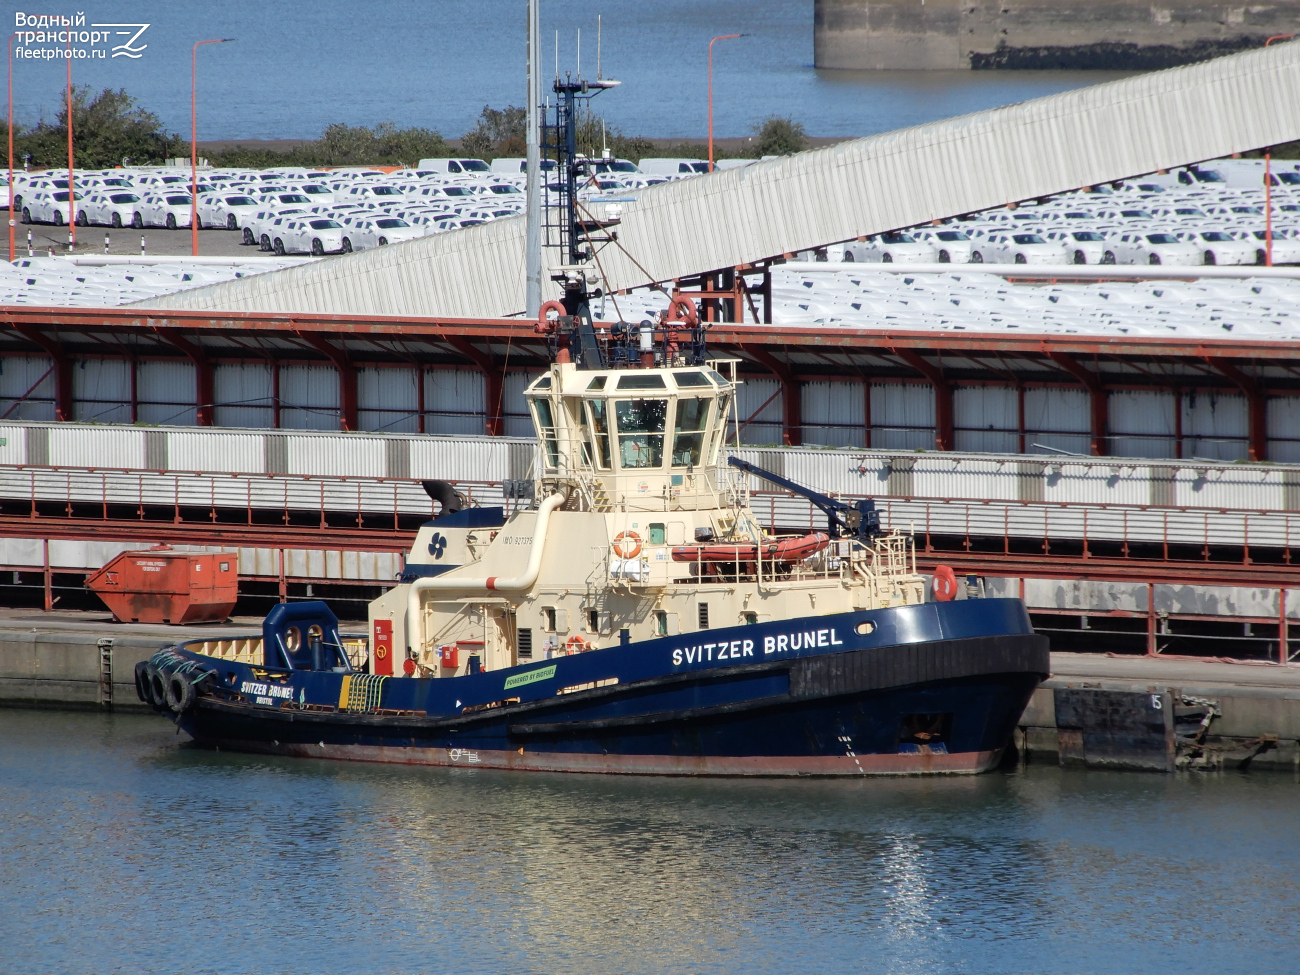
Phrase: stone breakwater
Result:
[1039,34]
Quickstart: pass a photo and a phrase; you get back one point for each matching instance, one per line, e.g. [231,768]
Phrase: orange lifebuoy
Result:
[627,545]
[945,583]
[575,644]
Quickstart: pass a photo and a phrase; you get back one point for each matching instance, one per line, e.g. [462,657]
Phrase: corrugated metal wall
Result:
[1284,430]
[309,398]
[388,399]
[165,392]
[834,414]
[1216,426]
[231,453]
[101,389]
[986,418]
[1077,138]
[1057,420]
[26,388]
[760,411]
[902,416]
[77,446]
[517,421]
[244,394]
[1142,424]
[455,402]
[29,450]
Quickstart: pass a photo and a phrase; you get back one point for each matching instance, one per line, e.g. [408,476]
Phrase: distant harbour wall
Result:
[1039,34]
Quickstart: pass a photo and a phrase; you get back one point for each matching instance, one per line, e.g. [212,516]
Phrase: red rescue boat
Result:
[784,550]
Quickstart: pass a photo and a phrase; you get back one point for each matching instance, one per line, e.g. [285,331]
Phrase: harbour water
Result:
[122,850]
[295,69]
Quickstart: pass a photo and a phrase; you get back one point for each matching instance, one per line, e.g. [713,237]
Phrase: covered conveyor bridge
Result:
[741,217]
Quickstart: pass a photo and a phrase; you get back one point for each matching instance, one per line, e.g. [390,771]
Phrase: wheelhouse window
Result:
[598,425]
[688,435]
[545,418]
[640,431]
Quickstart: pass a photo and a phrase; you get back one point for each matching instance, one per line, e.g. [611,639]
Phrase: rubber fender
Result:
[157,687]
[142,682]
[180,693]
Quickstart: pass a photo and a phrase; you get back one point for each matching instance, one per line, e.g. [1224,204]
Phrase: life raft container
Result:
[785,550]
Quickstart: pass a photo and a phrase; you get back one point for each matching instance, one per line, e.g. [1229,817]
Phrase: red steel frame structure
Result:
[790,354]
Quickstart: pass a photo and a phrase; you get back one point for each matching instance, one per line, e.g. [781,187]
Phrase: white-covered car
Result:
[950,246]
[309,235]
[1153,248]
[108,209]
[170,210]
[891,248]
[1022,248]
[381,231]
[1221,247]
[229,211]
[1081,246]
[1286,246]
[261,226]
[47,206]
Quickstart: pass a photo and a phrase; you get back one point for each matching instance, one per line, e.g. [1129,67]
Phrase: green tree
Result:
[499,132]
[106,129]
[779,137]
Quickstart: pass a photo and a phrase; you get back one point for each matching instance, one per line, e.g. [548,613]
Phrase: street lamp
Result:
[723,37]
[11,144]
[194,144]
[72,196]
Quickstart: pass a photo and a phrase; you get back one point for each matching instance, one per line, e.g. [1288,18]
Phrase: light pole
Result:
[194,144]
[723,37]
[11,144]
[72,196]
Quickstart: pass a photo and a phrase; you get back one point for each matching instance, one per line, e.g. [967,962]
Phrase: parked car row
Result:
[1203,220]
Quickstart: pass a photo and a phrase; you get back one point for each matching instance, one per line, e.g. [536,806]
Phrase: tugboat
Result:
[625,612]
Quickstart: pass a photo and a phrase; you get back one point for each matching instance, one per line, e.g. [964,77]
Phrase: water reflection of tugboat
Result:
[627,613]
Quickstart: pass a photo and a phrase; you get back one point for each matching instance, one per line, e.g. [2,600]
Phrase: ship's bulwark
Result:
[931,706]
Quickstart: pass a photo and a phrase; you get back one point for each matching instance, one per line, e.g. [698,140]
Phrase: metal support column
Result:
[533,221]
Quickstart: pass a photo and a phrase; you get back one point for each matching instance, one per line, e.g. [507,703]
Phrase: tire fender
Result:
[180,692]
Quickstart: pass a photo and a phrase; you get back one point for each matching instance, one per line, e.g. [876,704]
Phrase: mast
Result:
[533,221]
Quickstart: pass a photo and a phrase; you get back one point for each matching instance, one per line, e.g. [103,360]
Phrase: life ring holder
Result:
[575,644]
[687,313]
[944,583]
[627,545]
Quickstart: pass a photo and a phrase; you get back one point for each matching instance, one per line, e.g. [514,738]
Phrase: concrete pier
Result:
[1115,35]
[1096,710]
[1255,724]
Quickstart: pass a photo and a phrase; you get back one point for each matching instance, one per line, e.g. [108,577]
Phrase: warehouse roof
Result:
[899,179]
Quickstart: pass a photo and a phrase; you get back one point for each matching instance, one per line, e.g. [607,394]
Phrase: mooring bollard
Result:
[106,243]
[142,245]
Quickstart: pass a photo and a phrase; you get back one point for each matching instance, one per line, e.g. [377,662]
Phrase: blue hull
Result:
[931,688]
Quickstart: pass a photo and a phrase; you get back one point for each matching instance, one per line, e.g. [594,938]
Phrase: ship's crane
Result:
[858,519]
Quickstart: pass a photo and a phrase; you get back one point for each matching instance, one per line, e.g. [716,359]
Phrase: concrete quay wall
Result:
[977,34]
